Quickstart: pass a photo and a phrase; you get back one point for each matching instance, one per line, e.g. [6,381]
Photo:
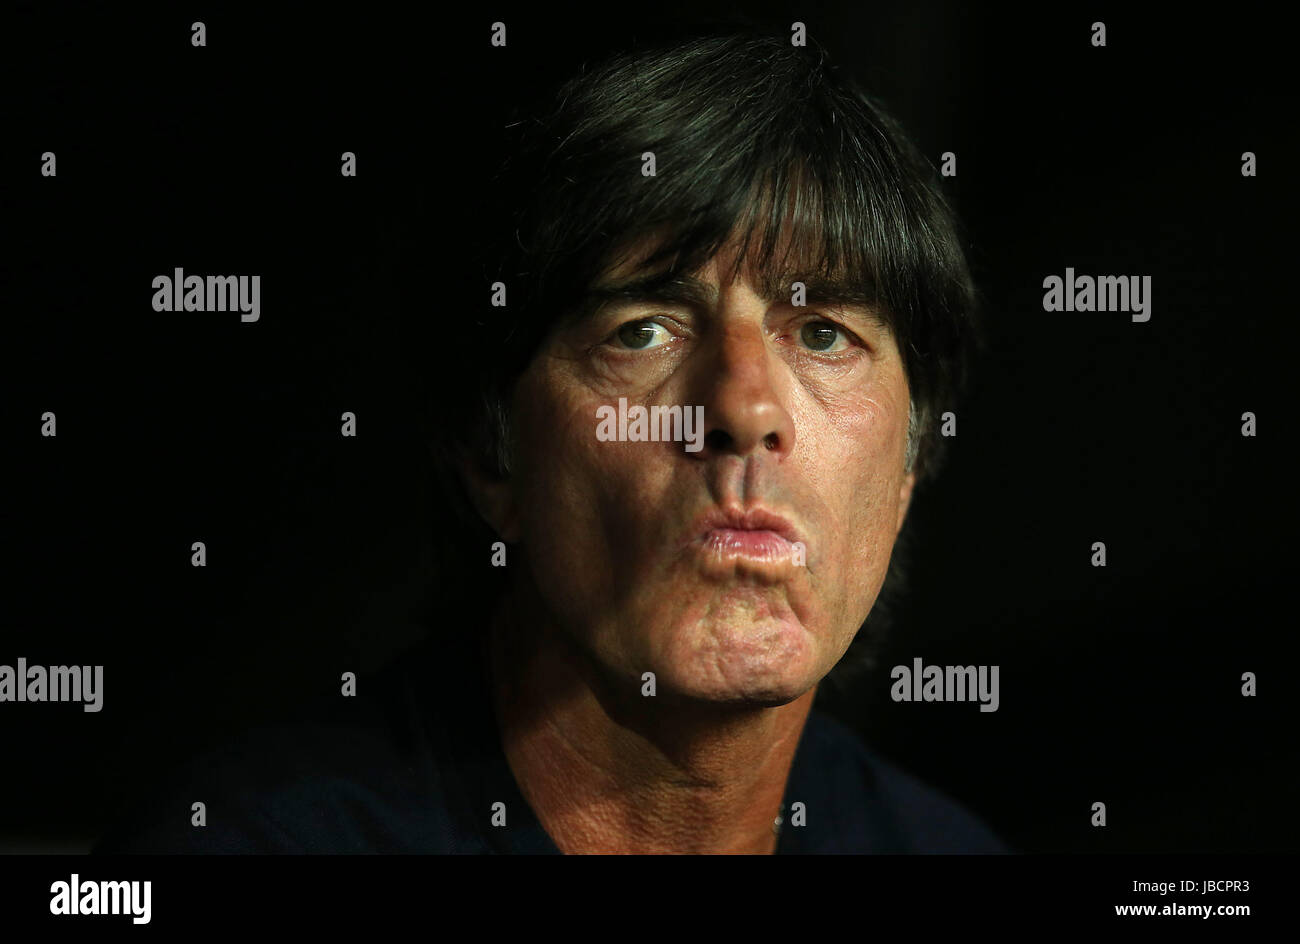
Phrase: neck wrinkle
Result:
[604,773]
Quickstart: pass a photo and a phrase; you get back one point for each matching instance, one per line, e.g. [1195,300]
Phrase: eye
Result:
[821,336]
[639,335]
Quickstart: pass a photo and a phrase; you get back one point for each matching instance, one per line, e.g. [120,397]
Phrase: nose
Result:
[744,409]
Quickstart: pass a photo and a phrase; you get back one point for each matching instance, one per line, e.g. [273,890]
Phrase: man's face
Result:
[805,411]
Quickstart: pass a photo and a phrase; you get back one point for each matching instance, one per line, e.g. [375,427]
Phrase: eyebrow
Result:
[689,291]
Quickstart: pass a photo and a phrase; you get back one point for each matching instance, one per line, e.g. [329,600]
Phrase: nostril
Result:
[718,440]
[770,441]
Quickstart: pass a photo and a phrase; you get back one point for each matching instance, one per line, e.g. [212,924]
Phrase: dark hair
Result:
[754,139]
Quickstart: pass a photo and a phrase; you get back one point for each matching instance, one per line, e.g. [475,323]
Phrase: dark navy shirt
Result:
[413,764]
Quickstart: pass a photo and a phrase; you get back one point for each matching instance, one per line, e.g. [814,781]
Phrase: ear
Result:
[904,499]
[490,491]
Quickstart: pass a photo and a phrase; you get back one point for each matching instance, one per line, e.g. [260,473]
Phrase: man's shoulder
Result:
[347,774]
[874,804]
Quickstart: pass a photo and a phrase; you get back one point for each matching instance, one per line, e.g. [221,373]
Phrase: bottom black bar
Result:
[152,894]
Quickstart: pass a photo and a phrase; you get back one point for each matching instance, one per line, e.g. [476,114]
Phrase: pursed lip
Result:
[754,519]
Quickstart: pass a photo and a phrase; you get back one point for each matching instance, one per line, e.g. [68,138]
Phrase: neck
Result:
[608,770]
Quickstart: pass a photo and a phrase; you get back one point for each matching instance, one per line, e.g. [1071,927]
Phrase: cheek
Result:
[858,454]
[557,474]
[577,497]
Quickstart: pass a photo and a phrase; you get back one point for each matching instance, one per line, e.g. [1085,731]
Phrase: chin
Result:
[763,690]
[769,663]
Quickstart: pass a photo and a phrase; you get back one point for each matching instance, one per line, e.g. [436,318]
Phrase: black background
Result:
[1118,684]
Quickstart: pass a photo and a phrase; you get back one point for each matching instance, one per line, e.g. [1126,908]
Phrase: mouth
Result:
[756,545]
[757,536]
